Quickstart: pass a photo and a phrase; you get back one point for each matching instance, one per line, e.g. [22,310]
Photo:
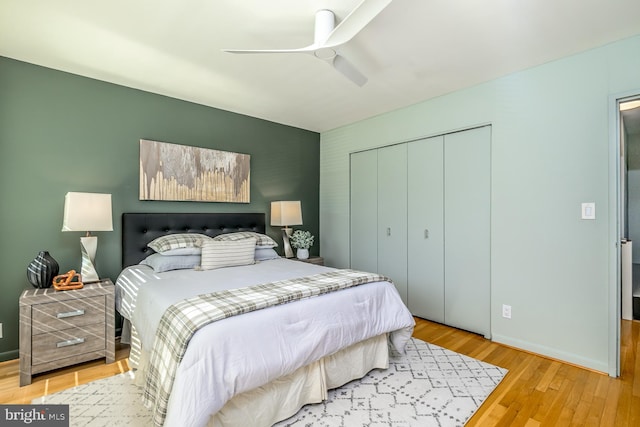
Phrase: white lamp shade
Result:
[87,212]
[285,213]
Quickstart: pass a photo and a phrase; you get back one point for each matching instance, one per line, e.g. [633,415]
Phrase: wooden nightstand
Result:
[62,328]
[311,260]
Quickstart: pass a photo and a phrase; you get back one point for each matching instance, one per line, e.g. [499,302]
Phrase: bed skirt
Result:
[283,397]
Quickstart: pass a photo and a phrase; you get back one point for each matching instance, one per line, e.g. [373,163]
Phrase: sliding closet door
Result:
[467,201]
[364,211]
[392,215]
[425,237]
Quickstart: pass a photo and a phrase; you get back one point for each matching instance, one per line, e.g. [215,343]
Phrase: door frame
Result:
[615,211]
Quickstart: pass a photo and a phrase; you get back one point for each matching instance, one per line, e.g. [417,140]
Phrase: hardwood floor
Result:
[542,392]
[60,379]
[536,392]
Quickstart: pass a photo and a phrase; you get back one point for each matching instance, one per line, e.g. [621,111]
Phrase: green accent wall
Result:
[60,132]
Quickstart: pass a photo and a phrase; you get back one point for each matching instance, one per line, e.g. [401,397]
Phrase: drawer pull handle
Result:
[70,314]
[67,343]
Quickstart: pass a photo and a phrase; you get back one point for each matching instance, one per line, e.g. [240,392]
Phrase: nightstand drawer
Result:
[55,316]
[58,345]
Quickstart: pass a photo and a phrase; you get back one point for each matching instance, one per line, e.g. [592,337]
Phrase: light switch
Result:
[589,210]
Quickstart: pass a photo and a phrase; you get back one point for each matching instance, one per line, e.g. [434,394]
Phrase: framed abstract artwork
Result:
[180,172]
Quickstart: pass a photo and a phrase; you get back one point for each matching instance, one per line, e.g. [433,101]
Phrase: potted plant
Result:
[302,241]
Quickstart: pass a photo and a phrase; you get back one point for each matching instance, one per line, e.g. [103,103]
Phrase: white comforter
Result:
[244,352]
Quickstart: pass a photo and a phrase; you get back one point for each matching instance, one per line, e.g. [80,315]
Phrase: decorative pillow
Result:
[261,239]
[160,262]
[178,240]
[183,251]
[265,253]
[218,254]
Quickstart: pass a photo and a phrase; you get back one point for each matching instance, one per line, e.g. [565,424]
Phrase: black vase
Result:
[42,270]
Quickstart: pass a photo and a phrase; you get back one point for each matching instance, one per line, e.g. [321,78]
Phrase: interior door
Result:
[467,222]
[425,237]
[392,215]
[364,211]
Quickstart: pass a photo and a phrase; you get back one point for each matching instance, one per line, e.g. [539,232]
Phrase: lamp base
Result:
[286,233]
[89,246]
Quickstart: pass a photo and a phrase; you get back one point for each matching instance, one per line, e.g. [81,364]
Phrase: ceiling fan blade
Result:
[355,22]
[349,71]
[307,49]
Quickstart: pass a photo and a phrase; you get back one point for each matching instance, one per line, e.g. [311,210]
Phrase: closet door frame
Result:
[466,237]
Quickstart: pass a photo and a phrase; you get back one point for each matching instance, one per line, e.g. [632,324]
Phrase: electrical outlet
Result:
[506,311]
[0,330]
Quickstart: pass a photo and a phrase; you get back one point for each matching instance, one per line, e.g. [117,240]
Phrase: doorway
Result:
[630,221]
[625,118]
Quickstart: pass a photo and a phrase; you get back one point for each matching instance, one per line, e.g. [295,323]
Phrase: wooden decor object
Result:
[68,281]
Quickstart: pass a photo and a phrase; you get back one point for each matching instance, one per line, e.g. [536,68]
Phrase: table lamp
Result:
[87,212]
[284,214]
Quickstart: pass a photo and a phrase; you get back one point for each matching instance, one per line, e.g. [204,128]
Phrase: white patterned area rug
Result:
[427,386]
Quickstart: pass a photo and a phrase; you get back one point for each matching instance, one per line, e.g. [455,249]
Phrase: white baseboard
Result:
[553,353]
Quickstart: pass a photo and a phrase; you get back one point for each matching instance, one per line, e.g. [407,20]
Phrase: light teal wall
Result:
[550,152]
[60,132]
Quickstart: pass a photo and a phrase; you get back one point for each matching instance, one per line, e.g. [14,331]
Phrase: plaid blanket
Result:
[183,319]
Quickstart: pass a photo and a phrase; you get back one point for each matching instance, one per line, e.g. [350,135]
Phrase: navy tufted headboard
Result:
[138,229]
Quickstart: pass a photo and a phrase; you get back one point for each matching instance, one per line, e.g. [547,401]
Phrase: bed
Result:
[261,366]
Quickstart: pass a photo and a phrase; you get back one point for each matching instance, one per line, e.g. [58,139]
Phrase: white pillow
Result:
[161,263]
[265,253]
[218,254]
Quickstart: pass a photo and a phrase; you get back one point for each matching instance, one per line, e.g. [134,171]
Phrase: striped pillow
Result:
[178,240]
[261,239]
[217,254]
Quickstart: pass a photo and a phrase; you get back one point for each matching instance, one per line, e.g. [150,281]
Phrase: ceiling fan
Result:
[328,37]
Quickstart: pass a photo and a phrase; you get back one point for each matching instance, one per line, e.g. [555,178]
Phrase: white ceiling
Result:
[412,51]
